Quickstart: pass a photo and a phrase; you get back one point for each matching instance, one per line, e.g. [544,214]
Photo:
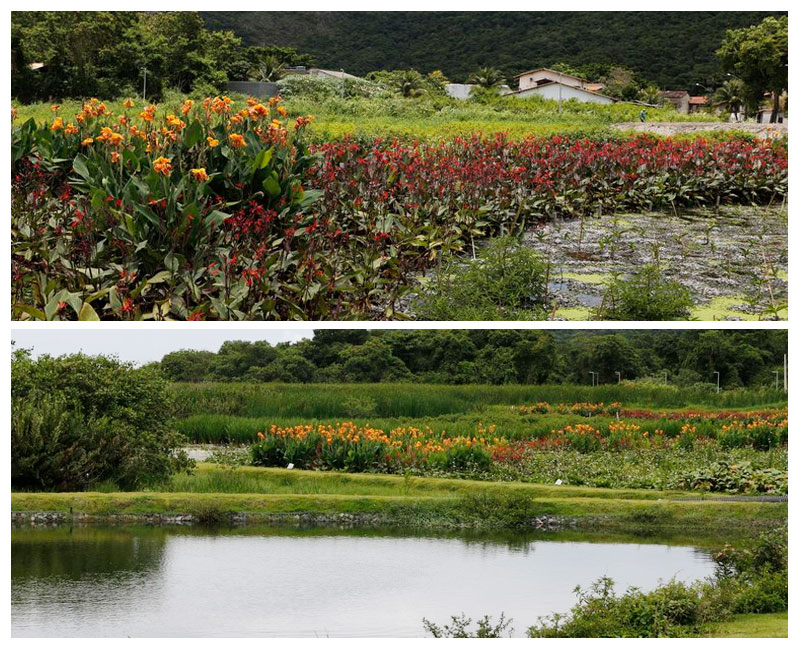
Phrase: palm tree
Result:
[408,83]
[268,68]
[730,97]
[487,77]
[650,95]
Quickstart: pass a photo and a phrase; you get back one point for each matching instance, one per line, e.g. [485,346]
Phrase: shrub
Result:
[79,421]
[506,282]
[459,628]
[734,478]
[647,295]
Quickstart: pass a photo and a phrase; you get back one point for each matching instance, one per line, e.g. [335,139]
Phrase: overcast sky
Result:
[141,345]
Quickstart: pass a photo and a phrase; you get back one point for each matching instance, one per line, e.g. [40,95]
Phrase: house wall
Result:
[530,80]
[550,91]
[681,104]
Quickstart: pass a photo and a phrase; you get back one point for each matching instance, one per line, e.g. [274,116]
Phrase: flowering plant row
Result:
[364,448]
[215,210]
[494,184]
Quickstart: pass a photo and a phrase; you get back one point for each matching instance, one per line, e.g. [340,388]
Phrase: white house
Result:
[562,92]
[559,86]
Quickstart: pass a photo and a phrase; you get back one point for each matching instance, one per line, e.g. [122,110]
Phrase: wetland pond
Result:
[156,581]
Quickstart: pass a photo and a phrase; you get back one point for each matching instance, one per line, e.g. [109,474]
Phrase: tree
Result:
[187,365]
[730,97]
[487,77]
[406,83]
[235,358]
[650,95]
[268,68]
[759,56]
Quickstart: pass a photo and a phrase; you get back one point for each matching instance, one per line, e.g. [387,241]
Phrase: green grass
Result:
[403,500]
[433,118]
[752,626]
[310,401]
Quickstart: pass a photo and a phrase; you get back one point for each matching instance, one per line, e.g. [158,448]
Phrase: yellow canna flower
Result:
[200,174]
[162,165]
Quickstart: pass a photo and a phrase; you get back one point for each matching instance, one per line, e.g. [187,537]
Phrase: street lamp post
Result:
[593,376]
[619,376]
[777,374]
[665,377]
[144,83]
[717,374]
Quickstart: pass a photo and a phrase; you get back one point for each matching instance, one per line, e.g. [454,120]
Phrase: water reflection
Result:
[140,581]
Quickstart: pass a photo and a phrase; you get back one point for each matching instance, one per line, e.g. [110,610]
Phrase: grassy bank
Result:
[752,626]
[404,501]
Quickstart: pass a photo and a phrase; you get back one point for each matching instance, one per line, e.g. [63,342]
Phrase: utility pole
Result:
[717,374]
[144,84]
[559,91]
[785,373]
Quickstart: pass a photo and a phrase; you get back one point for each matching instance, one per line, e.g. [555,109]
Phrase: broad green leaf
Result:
[88,313]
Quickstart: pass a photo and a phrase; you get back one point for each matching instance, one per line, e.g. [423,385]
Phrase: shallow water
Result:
[140,581]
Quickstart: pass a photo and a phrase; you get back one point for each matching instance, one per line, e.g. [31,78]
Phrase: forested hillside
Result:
[672,49]
[743,358]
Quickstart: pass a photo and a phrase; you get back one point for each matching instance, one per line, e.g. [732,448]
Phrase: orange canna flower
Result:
[148,114]
[71,129]
[128,103]
[55,107]
[114,157]
[57,124]
[162,165]
[212,142]
[237,141]
[87,141]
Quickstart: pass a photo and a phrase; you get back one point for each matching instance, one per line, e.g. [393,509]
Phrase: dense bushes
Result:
[78,421]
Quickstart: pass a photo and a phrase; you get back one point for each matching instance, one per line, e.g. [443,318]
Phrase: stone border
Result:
[18,517]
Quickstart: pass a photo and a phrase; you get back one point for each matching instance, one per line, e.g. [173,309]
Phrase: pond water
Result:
[171,581]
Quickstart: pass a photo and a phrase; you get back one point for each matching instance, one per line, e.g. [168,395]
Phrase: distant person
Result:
[643,115]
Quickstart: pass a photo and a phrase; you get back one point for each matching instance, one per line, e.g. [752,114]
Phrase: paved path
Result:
[672,128]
